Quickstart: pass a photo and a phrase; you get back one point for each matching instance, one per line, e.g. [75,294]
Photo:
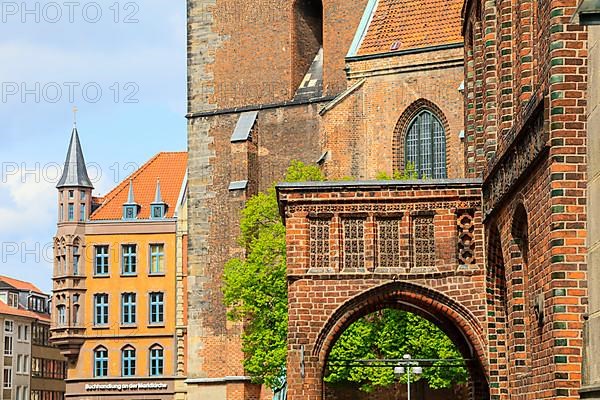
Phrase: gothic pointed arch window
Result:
[425,145]
[307,40]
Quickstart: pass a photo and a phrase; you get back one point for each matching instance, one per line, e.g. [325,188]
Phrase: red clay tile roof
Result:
[170,168]
[411,24]
[18,312]
[20,285]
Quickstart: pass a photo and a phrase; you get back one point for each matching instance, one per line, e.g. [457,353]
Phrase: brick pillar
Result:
[566,297]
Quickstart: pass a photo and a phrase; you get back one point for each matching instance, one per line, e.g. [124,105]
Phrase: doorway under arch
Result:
[447,314]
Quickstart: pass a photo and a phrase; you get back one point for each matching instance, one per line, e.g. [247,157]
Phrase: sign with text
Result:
[121,387]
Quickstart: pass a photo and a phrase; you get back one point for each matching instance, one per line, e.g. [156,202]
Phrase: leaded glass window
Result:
[425,146]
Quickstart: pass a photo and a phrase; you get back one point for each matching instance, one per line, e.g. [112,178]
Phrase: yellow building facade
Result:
[118,266]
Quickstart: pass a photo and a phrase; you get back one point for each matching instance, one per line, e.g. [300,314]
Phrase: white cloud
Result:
[32,207]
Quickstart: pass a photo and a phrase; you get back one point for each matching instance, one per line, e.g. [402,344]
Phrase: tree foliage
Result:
[255,291]
[409,173]
[255,288]
[389,334]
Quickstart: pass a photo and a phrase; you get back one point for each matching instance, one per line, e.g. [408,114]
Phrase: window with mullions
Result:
[61,320]
[128,312]
[75,260]
[157,308]
[425,146]
[100,309]
[101,260]
[157,259]
[128,361]
[129,259]
[100,362]
[156,360]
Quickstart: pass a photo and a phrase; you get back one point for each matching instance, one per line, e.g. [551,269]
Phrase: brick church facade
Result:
[484,99]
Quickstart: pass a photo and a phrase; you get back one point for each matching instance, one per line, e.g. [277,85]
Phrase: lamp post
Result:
[408,367]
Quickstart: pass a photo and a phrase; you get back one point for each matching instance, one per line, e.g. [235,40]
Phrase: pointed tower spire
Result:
[130,196]
[75,172]
[158,207]
[130,208]
[158,195]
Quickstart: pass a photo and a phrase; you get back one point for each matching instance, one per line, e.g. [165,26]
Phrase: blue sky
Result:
[123,64]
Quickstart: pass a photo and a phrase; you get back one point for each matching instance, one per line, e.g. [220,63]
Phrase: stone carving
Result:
[521,154]
[319,243]
[383,208]
[466,238]
[354,243]
[424,241]
[388,242]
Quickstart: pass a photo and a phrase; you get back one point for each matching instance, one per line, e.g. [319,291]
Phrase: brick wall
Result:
[526,118]
[243,53]
[329,288]
[214,346]
[365,130]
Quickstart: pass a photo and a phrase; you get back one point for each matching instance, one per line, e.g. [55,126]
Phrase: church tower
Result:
[74,208]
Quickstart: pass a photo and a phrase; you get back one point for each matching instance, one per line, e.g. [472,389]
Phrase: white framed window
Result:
[7,378]
[18,393]
[26,333]
[13,300]
[61,320]
[9,326]
[25,364]
[19,332]
[8,345]
[19,364]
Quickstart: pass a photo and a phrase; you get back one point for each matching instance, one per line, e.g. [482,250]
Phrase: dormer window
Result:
[158,208]
[13,300]
[158,211]
[129,211]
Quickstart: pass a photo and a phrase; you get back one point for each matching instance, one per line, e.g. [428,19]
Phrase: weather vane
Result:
[75,109]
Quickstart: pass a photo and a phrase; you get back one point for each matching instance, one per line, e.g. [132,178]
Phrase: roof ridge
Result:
[119,188]
[10,278]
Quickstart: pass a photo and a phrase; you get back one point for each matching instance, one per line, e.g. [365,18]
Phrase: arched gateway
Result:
[359,247]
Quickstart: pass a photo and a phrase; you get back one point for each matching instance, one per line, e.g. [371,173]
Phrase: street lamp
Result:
[408,367]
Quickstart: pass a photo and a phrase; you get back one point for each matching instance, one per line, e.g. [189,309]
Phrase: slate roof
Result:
[398,25]
[74,171]
[168,167]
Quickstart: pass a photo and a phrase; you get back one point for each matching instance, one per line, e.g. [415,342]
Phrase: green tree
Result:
[389,334]
[255,287]
[255,291]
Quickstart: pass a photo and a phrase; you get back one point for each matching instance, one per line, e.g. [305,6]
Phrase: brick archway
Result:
[358,247]
[450,316]
[402,126]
